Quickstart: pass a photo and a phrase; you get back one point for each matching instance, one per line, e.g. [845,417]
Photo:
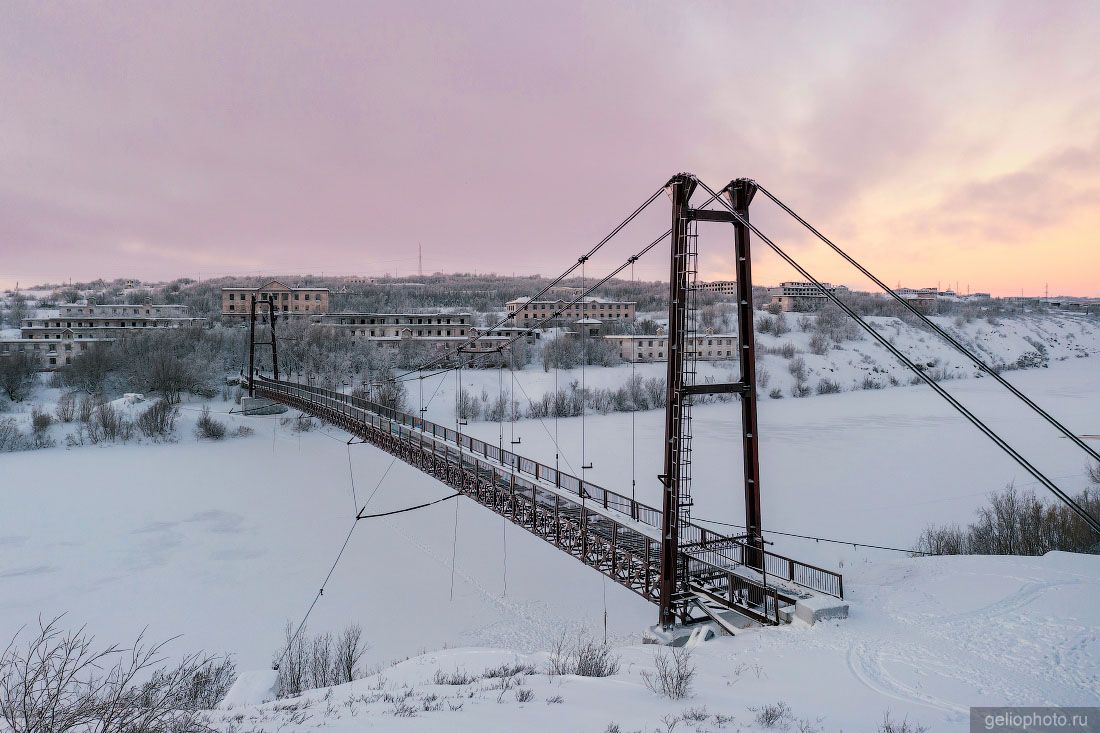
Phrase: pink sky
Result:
[941,142]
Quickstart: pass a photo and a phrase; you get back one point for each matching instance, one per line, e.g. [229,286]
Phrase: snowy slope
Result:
[1051,338]
[927,639]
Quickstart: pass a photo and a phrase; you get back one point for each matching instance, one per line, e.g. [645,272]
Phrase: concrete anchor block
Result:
[819,608]
[261,406]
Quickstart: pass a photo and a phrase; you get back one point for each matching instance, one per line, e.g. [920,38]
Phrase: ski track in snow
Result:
[1009,649]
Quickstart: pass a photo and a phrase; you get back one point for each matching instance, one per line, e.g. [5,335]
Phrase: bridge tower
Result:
[253,343]
[682,387]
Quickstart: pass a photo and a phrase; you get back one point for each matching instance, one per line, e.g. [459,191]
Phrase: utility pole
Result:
[419,260]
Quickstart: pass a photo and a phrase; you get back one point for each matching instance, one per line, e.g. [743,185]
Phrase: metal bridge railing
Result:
[694,538]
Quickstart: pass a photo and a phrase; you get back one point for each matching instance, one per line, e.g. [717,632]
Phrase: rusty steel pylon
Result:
[676,501]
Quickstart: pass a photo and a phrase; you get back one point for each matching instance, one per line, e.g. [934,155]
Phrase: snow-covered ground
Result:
[927,639]
[225,542]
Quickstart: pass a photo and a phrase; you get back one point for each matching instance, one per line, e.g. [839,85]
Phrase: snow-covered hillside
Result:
[853,364]
[927,639]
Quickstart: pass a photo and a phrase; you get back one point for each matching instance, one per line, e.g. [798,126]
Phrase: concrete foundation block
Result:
[261,406]
[820,608]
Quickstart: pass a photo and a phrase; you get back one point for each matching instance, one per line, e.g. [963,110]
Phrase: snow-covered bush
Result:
[584,656]
[775,716]
[159,420]
[62,682]
[11,437]
[826,386]
[40,428]
[100,422]
[1016,523]
[890,725]
[819,344]
[202,686]
[776,326]
[89,370]
[514,669]
[86,408]
[797,368]
[835,324]
[673,673]
[567,353]
[786,350]
[458,677]
[207,428]
[1030,360]
[870,382]
[66,407]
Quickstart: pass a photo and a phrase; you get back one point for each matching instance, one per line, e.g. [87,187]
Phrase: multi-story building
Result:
[525,311]
[723,287]
[395,325]
[91,320]
[921,298]
[507,332]
[645,347]
[443,330]
[288,301]
[800,296]
[51,354]
[56,336]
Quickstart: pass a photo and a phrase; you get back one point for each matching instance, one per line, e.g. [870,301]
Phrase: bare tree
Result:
[59,681]
[16,375]
[350,648]
[89,370]
[291,663]
[305,663]
[321,662]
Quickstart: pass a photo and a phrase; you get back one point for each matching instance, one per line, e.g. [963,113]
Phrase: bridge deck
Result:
[610,532]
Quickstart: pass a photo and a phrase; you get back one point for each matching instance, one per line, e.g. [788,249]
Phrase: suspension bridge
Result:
[690,572]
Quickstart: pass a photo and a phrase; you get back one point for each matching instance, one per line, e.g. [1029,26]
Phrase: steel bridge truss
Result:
[609,532]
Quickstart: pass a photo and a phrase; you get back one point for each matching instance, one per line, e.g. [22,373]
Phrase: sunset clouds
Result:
[940,142]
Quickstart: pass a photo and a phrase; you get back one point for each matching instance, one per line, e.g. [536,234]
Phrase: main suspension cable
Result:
[1093,523]
[941,332]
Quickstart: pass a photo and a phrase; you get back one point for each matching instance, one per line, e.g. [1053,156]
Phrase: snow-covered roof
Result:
[590,299]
